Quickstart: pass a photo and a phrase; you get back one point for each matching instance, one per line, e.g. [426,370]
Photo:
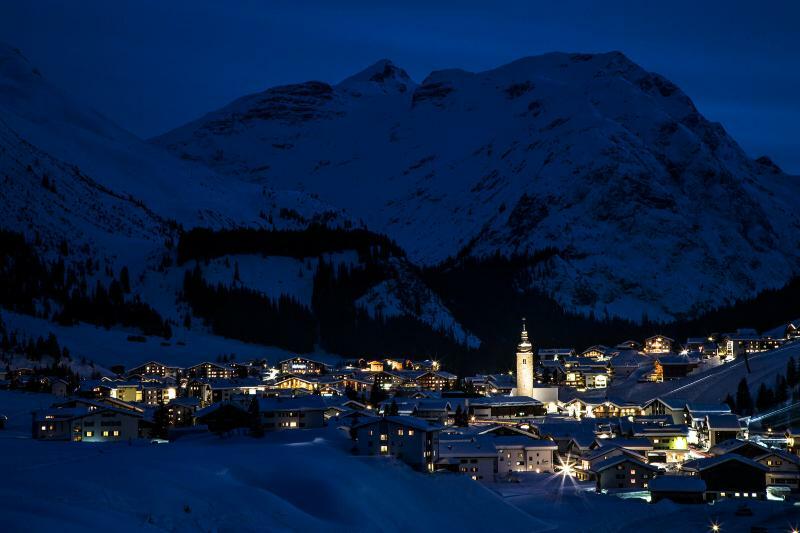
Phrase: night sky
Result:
[151,65]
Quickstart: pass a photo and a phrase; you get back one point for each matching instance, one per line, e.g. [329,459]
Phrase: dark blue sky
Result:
[152,65]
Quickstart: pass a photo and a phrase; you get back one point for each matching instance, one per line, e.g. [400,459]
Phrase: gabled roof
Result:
[662,337]
[727,421]
[611,462]
[301,403]
[628,444]
[511,441]
[699,465]
[783,454]
[671,403]
[731,445]
[407,421]
[217,406]
[503,401]
[708,408]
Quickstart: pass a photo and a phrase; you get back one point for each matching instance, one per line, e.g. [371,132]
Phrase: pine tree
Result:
[125,280]
[394,410]
[765,398]
[791,372]
[743,399]
[731,402]
[161,421]
[781,389]
[376,394]
[461,418]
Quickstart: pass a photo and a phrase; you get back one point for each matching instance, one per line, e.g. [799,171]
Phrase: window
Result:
[90,433]
[400,432]
[384,437]
[116,433]
[44,428]
[105,433]
[384,448]
[633,472]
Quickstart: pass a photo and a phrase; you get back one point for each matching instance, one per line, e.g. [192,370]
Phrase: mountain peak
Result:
[382,76]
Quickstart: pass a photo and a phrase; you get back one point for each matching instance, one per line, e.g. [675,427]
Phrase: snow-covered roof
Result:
[731,445]
[707,408]
[483,447]
[722,422]
[669,483]
[619,459]
[407,421]
[632,444]
[503,401]
[783,454]
[698,465]
[509,441]
[301,403]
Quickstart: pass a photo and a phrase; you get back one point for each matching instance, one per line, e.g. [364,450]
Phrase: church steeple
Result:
[525,363]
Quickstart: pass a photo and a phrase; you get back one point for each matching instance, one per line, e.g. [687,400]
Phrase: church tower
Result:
[524,364]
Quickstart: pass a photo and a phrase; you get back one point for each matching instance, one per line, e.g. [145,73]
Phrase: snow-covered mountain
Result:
[650,207]
[70,175]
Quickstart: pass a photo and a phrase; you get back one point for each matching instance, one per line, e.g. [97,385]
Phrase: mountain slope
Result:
[649,207]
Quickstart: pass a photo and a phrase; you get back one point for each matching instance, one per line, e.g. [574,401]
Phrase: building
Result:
[679,489]
[208,370]
[302,365]
[495,407]
[304,412]
[555,354]
[672,366]
[520,453]
[475,458]
[673,407]
[730,476]
[222,417]
[623,472]
[721,427]
[670,442]
[154,368]
[436,381]
[793,440]
[585,463]
[658,344]
[784,468]
[526,367]
[86,424]
[59,387]
[598,351]
[409,439]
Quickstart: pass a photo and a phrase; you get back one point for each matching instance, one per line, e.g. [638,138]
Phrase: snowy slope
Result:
[289,481]
[651,208]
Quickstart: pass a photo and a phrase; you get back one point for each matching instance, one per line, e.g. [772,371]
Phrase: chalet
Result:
[155,368]
[747,341]
[224,416]
[208,370]
[587,460]
[555,354]
[100,403]
[669,442]
[673,407]
[674,366]
[409,439]
[579,408]
[181,411]
[376,366]
[358,381]
[85,424]
[501,384]
[658,344]
[628,345]
[616,408]
[302,365]
[552,371]
[792,331]
[522,453]
[436,381]
[625,363]
[598,351]
[641,446]
[721,427]
[476,458]
[210,391]
[784,468]
[158,392]
[695,413]
[127,391]
[505,407]
[729,476]
[291,413]
[679,489]
[428,364]
[393,364]
[623,473]
[704,346]
[745,448]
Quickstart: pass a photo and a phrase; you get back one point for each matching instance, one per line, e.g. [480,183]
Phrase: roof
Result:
[619,459]
[300,403]
[676,484]
[783,454]
[625,443]
[507,441]
[724,421]
[662,337]
[503,401]
[216,406]
[471,448]
[408,421]
[732,445]
[715,408]
[672,403]
[699,465]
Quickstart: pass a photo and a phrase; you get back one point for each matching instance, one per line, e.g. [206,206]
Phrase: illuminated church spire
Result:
[525,363]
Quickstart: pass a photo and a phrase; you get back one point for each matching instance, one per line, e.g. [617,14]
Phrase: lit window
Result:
[400,432]
[633,472]
[410,432]
[384,448]
[105,433]
[44,428]
[116,433]
[90,433]
[384,437]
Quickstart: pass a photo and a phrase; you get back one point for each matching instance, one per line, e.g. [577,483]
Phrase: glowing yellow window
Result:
[90,433]
[116,433]
[384,436]
[410,432]
[105,433]
[384,448]
[400,432]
